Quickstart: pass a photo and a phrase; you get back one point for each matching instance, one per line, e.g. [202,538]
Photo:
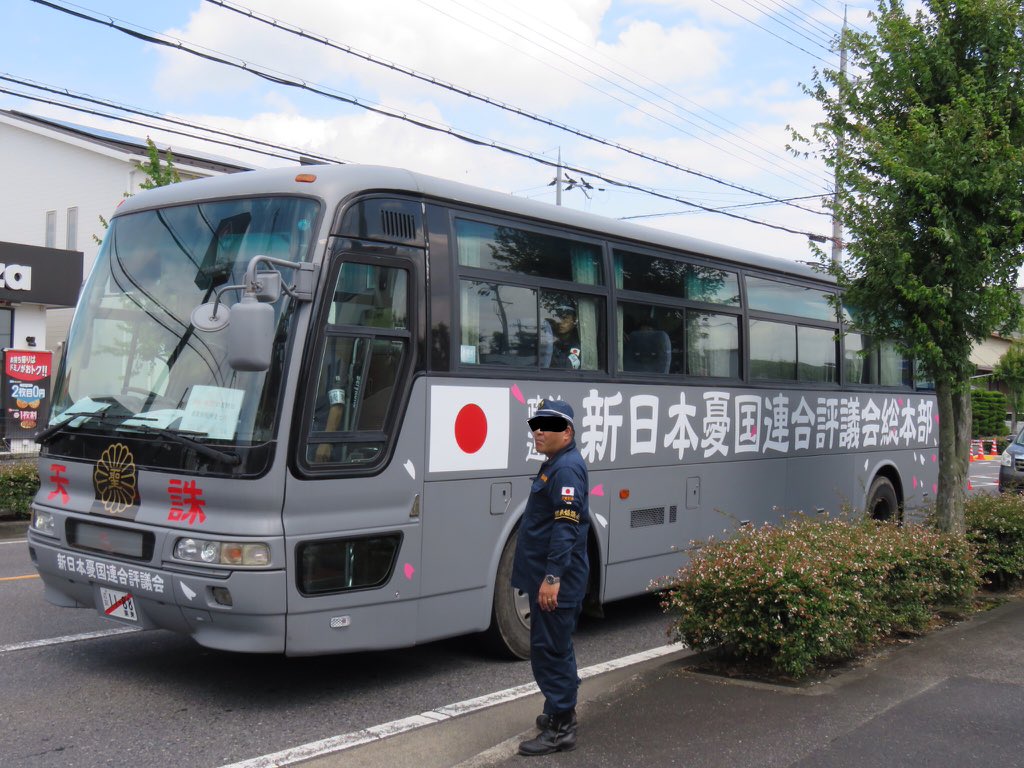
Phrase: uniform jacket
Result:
[553,531]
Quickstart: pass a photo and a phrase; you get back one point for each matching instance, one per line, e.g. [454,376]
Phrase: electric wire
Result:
[661,96]
[280,79]
[307,35]
[770,32]
[776,19]
[140,123]
[659,104]
[6,76]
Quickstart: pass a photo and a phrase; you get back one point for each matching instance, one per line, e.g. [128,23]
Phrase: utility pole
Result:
[837,226]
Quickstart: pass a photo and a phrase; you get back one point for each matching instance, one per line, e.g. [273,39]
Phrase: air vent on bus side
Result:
[383,220]
[641,518]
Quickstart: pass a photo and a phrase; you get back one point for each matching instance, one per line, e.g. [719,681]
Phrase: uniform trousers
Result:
[553,657]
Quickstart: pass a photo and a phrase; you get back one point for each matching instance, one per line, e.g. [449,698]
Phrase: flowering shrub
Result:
[814,590]
[19,482]
[995,525]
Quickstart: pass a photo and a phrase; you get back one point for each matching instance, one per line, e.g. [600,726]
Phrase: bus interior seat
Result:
[647,351]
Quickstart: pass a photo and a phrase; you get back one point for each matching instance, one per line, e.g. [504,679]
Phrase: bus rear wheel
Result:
[509,633]
[883,503]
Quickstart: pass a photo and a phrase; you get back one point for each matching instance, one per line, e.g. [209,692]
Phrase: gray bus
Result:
[291,413]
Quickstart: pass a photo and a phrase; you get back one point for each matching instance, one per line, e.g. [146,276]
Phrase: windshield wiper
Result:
[231,459]
[53,430]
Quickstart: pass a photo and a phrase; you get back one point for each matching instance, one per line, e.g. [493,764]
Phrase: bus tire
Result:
[509,633]
[883,503]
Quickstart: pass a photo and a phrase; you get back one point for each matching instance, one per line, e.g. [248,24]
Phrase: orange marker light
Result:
[306,178]
[624,494]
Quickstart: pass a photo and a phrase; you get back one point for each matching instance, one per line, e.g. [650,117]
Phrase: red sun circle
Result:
[471,428]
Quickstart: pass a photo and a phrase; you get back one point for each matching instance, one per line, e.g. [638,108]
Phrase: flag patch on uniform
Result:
[568,494]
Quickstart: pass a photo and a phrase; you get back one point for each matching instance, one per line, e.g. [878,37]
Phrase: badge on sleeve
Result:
[568,494]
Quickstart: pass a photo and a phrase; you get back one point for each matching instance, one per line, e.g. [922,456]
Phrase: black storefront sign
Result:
[33,275]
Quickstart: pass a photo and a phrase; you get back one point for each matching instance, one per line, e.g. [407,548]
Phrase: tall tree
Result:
[925,136]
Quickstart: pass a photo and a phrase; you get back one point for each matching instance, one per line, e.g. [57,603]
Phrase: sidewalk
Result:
[953,697]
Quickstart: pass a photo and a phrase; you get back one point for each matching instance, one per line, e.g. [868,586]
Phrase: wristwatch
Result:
[549,579]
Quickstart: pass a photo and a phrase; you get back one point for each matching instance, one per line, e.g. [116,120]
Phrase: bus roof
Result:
[337,182]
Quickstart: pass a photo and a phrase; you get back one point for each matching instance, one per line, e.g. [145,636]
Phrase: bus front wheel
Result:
[509,633]
[883,503]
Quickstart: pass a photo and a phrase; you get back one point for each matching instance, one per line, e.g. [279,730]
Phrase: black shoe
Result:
[559,735]
[543,721]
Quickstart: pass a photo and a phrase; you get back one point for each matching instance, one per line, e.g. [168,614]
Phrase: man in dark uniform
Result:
[551,567]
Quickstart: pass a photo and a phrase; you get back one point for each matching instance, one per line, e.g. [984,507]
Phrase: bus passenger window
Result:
[712,344]
[772,350]
[571,331]
[651,338]
[499,324]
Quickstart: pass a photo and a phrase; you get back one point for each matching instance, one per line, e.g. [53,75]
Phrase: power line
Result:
[178,132]
[158,116]
[723,208]
[658,105]
[800,31]
[306,35]
[281,79]
[765,29]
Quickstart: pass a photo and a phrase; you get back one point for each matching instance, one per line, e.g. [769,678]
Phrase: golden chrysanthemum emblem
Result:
[115,479]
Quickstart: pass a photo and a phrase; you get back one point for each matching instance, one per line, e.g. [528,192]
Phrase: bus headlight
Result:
[43,522]
[255,554]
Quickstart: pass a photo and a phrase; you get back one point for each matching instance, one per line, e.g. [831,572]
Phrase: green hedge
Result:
[814,591]
[19,481]
[995,526]
[988,413]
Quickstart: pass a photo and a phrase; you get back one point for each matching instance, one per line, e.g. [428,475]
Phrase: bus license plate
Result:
[119,605]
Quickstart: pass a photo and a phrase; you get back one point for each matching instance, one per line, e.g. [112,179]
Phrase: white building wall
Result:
[47,174]
[29,322]
[46,170]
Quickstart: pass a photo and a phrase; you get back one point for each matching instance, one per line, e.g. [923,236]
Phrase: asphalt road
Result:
[79,691]
[149,699]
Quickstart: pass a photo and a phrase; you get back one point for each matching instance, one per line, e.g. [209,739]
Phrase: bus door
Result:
[352,509]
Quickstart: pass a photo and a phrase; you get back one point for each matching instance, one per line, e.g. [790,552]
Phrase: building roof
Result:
[125,144]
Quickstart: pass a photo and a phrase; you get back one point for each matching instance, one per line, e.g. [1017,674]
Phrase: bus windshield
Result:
[135,362]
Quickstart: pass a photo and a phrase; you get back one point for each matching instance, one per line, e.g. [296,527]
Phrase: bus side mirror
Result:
[250,322]
[250,335]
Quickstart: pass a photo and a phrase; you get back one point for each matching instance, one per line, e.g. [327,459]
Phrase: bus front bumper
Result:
[240,611]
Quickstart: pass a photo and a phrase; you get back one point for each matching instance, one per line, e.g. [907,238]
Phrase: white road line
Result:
[14,541]
[377,732]
[65,639]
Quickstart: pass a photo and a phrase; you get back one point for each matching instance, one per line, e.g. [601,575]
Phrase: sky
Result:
[691,100]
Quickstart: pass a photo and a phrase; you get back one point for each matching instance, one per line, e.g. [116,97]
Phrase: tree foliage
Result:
[159,173]
[926,137]
[1010,371]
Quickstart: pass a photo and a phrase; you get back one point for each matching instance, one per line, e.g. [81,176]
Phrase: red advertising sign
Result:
[26,390]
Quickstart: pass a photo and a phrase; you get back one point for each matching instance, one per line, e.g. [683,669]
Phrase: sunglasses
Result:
[548,424]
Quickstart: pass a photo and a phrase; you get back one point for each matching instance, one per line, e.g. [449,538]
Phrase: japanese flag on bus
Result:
[468,428]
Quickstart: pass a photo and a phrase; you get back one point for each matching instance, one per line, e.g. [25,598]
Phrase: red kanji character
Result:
[60,483]
[186,501]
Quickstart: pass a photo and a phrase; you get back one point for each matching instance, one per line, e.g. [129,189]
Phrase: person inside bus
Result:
[551,567]
[560,339]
